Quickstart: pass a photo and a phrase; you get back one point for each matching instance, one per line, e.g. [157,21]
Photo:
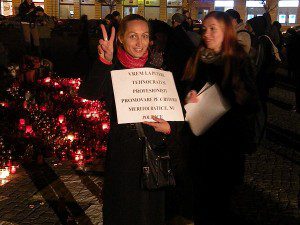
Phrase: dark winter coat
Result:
[24,12]
[125,203]
[218,156]
[178,50]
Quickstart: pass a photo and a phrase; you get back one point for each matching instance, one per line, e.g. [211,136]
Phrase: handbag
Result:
[156,169]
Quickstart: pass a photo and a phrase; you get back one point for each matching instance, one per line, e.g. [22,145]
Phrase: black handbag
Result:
[156,170]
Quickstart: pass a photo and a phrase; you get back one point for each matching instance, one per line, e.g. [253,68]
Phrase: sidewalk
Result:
[272,183]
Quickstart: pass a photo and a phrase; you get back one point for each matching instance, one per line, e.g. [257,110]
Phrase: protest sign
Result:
[141,93]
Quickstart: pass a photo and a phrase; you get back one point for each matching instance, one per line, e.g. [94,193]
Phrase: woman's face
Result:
[214,34]
[136,38]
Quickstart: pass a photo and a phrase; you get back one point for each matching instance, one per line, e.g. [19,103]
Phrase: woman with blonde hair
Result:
[124,201]
[218,154]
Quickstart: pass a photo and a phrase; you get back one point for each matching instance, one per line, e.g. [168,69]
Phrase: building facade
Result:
[287,12]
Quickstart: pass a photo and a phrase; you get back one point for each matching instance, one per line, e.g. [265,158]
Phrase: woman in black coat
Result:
[124,202]
[218,154]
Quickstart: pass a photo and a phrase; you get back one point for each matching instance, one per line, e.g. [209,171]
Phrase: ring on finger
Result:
[105,39]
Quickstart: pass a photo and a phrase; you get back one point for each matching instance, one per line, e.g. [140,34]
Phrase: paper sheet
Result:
[210,107]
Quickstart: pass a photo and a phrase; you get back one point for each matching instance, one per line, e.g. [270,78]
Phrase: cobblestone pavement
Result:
[269,195]
[55,193]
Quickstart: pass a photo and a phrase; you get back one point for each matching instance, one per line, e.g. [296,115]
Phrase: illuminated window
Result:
[254,4]
[287,11]
[292,18]
[171,11]
[66,9]
[223,5]
[6,8]
[130,7]
[152,13]
[130,10]
[250,16]
[87,7]
[39,3]
[254,8]
[172,3]
[105,10]
[282,18]
[130,2]
[173,6]
[152,9]
[288,3]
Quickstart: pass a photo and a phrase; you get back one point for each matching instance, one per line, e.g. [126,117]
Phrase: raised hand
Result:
[106,46]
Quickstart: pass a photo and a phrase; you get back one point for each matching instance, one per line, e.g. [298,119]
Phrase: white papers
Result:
[141,93]
[210,107]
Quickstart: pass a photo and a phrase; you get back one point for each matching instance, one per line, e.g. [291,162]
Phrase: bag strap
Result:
[274,48]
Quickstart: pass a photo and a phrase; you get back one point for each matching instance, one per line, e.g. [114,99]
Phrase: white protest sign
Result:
[141,93]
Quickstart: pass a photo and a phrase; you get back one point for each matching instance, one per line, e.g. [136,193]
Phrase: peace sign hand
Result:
[106,46]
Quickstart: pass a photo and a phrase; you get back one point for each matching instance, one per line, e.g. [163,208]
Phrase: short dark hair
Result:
[116,13]
[109,17]
[39,9]
[234,14]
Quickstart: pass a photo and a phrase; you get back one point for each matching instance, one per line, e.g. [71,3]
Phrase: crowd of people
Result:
[241,58]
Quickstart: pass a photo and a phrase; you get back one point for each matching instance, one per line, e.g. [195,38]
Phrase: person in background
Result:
[116,20]
[27,15]
[243,35]
[83,41]
[265,65]
[45,25]
[278,38]
[218,155]
[124,201]
[178,50]
[189,20]
[159,37]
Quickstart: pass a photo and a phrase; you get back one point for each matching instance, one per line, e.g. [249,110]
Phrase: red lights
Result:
[105,126]
[28,129]
[22,122]
[4,104]
[13,169]
[61,118]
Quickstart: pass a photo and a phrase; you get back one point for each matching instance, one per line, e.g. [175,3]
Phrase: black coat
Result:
[125,203]
[218,156]
[178,50]
[227,140]
[24,13]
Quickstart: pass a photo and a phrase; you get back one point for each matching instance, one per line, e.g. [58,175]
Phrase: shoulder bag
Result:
[156,170]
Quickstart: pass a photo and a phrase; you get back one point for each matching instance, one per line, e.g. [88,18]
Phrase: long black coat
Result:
[125,203]
[218,155]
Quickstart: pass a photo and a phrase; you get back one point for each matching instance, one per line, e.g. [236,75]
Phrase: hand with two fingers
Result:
[160,125]
[106,46]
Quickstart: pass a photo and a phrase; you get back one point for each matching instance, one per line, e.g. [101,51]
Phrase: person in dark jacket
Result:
[83,38]
[124,201]
[178,50]
[266,66]
[116,20]
[28,21]
[218,155]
